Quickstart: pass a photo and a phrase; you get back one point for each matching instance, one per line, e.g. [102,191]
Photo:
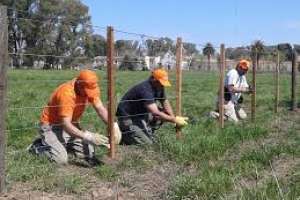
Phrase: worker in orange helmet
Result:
[235,84]
[60,131]
[143,107]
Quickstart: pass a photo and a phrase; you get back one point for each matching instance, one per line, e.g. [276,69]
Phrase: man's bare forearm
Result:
[71,129]
[101,111]
[168,107]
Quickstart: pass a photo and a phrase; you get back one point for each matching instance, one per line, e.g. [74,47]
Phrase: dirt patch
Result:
[152,184]
[148,181]
[24,191]
[278,134]
[283,165]
[283,168]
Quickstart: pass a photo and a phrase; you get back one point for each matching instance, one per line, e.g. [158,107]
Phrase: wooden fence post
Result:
[3,85]
[253,98]
[277,81]
[178,82]
[221,87]
[294,81]
[111,90]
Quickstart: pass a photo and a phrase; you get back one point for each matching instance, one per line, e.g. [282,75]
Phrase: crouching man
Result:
[60,132]
[235,85]
[143,106]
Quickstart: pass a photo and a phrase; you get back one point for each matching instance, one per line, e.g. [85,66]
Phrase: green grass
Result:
[290,189]
[212,183]
[106,172]
[65,184]
[206,142]
[136,161]
[204,145]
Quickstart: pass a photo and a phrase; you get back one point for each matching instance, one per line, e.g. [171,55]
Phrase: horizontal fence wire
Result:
[37,124]
[82,104]
[184,95]
[46,55]
[142,35]
[62,21]
[12,153]
[203,45]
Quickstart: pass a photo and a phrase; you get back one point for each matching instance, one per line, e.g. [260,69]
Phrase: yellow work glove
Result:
[118,133]
[95,139]
[181,121]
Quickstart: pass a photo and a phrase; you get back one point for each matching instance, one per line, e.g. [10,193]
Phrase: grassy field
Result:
[245,161]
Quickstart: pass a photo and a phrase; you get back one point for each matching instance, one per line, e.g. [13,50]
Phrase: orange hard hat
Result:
[244,64]
[89,80]
[162,76]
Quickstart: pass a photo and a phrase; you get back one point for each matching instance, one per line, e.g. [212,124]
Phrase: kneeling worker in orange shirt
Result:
[59,124]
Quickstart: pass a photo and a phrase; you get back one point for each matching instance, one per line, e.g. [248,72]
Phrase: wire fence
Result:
[141,37]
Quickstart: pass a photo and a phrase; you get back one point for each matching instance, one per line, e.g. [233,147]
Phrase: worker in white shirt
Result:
[235,84]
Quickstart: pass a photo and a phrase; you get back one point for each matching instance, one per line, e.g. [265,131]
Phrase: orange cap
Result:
[244,64]
[89,80]
[162,76]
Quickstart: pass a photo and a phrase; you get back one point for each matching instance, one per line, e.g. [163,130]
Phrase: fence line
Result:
[121,101]
[111,84]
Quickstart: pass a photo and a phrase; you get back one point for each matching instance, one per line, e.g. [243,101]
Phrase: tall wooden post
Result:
[179,49]
[253,99]
[294,81]
[221,86]
[111,90]
[277,81]
[3,85]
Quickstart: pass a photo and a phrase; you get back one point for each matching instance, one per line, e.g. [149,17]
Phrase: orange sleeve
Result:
[66,105]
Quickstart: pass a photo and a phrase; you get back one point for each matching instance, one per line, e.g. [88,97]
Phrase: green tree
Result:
[160,46]
[208,51]
[126,47]
[287,50]
[258,48]
[132,63]
[237,53]
[52,27]
[95,45]
[190,48]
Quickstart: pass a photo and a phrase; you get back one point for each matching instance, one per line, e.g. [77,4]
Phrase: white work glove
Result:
[118,133]
[95,139]
[244,89]
[181,121]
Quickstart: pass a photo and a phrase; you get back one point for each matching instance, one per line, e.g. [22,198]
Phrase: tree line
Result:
[64,28]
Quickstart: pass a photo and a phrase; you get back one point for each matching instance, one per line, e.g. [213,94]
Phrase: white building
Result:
[168,60]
